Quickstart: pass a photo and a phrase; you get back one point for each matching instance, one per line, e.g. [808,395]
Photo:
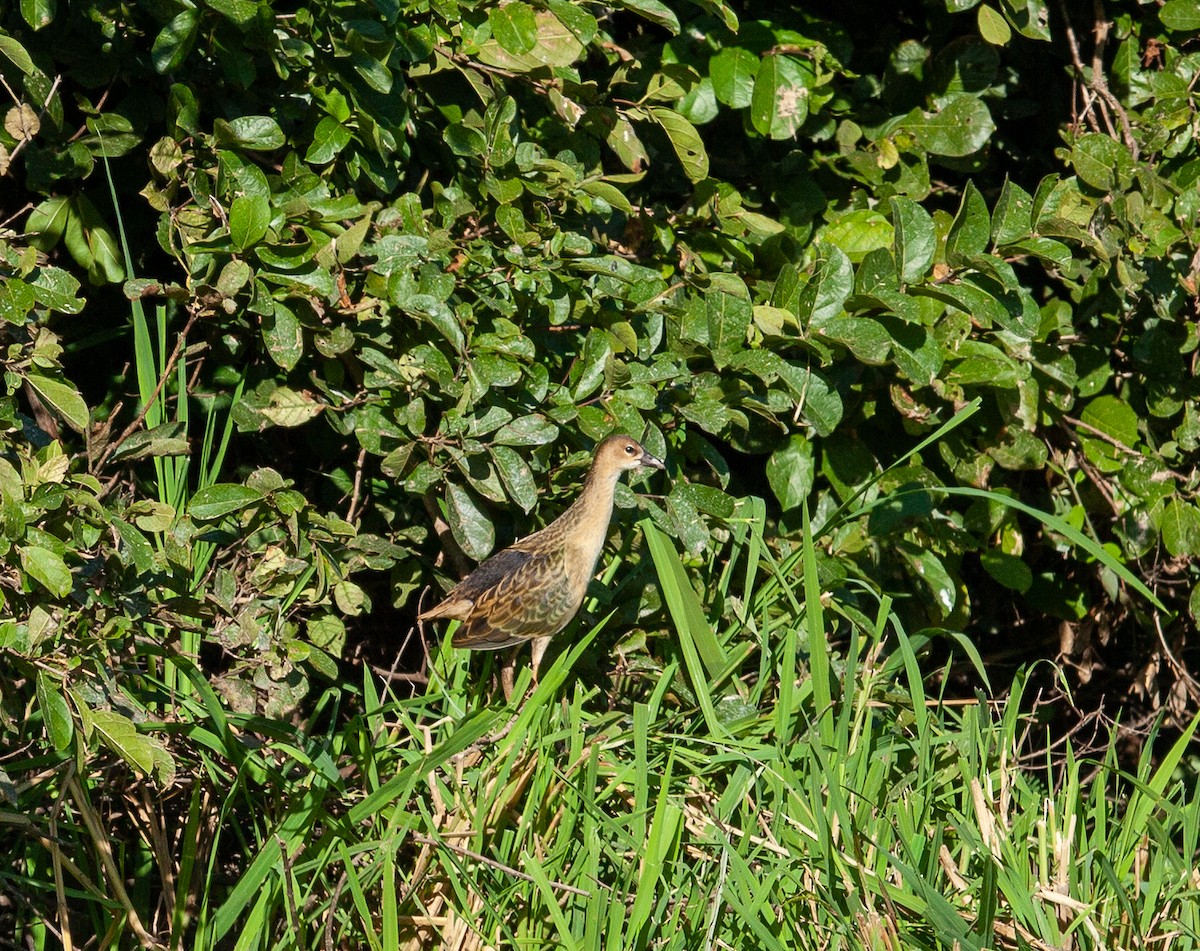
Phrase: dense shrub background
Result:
[308,307]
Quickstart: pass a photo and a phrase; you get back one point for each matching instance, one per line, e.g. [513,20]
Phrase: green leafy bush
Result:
[409,261]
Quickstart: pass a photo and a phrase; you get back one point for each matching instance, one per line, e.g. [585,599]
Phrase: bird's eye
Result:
[629,450]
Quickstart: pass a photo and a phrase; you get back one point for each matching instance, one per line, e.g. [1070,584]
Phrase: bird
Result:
[531,590]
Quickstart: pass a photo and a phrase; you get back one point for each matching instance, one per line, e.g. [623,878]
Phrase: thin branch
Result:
[499,866]
[162,381]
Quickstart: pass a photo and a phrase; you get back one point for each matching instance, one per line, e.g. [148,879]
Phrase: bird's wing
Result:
[460,600]
[535,600]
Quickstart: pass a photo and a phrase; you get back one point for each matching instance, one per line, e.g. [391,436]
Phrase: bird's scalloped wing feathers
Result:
[535,600]
[461,598]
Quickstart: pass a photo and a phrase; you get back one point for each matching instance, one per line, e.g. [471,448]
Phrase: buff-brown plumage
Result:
[531,590]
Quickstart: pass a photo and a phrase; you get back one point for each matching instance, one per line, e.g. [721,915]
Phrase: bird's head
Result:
[618,454]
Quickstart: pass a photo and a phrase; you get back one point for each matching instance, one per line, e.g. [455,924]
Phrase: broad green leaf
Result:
[514,26]
[993,27]
[1114,417]
[556,45]
[961,127]
[859,232]
[168,439]
[1009,570]
[791,471]
[1030,17]
[516,475]
[174,41]
[56,715]
[221,499]
[47,568]
[822,298]
[732,72]
[532,430]
[472,529]
[971,229]
[1180,16]
[779,104]
[120,735]
[1102,162]
[249,217]
[728,316]
[654,11]
[1012,218]
[914,239]
[62,398]
[92,243]
[19,56]
[1180,527]
[685,140]
[240,12]
[329,138]
[288,407]
[254,133]
[283,335]
[48,222]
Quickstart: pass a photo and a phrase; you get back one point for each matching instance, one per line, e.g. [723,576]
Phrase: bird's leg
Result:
[506,673]
[537,650]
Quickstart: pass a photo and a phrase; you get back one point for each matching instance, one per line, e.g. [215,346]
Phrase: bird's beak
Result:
[650,462]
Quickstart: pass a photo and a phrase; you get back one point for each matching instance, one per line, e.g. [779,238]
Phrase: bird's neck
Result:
[586,521]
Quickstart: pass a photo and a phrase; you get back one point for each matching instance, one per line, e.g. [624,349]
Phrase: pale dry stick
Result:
[115,881]
[498,866]
[153,832]
[60,891]
[1097,83]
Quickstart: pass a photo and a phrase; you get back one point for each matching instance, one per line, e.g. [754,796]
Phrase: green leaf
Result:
[19,56]
[329,138]
[62,398]
[654,11]
[971,229]
[47,568]
[38,13]
[1012,218]
[121,736]
[1007,569]
[961,127]
[685,140]
[1102,162]
[220,499]
[288,407]
[1113,417]
[174,41]
[253,133]
[472,529]
[556,45]
[859,232]
[239,12]
[791,471]
[56,715]
[779,104]
[516,475]
[514,26]
[1180,16]
[728,317]
[733,71]
[823,297]
[283,335]
[532,430]
[914,240]
[993,27]
[92,243]
[1180,527]
[249,217]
